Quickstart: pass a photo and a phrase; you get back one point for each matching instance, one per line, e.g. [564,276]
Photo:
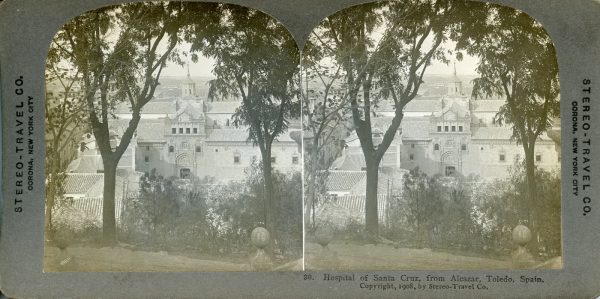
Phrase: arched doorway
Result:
[448,164]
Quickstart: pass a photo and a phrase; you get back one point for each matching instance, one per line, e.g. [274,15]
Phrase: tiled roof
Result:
[349,162]
[118,126]
[381,123]
[415,127]
[459,109]
[97,189]
[152,107]
[86,163]
[434,90]
[385,105]
[93,206]
[360,188]
[92,184]
[169,93]
[429,105]
[188,108]
[80,183]
[151,130]
[343,180]
[228,107]
[147,129]
[356,204]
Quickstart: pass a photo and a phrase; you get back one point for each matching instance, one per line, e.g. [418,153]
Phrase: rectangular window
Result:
[439,128]
[146,159]
[460,128]
[502,157]
[236,160]
[273,160]
[411,157]
[294,160]
[173,131]
[538,158]
[180,130]
[445,128]
[453,128]
[463,147]
[187,130]
[195,130]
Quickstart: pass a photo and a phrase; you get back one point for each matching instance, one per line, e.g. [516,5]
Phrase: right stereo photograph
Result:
[431,138]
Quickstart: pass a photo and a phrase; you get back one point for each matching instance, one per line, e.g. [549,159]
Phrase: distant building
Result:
[187,137]
[447,132]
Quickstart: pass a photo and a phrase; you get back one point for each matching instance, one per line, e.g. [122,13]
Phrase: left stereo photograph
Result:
[173,141]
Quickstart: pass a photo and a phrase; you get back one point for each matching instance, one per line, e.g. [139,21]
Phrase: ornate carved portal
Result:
[449,163]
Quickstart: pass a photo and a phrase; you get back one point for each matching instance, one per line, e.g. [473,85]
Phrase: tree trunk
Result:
[371,219]
[109,229]
[530,204]
[268,193]
[531,184]
[51,192]
[311,194]
[50,195]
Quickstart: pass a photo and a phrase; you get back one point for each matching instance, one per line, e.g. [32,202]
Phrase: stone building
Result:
[445,131]
[187,136]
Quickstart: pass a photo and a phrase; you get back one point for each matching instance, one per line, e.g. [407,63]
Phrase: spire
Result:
[455,68]
[188,65]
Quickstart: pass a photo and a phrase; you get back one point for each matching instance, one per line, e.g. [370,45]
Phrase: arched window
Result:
[171,149]
[436,147]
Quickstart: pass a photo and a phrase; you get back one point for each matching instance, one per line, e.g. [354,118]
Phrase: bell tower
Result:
[455,85]
[188,88]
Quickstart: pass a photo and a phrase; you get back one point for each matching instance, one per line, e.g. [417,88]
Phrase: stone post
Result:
[521,257]
[260,239]
[326,258]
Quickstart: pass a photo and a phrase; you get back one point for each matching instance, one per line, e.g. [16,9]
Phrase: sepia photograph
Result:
[299,149]
[173,141]
[432,139]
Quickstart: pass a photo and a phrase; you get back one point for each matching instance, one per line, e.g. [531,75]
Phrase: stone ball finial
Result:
[324,235]
[521,235]
[260,237]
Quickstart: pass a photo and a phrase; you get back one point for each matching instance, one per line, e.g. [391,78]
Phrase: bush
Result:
[210,218]
[70,226]
[471,214]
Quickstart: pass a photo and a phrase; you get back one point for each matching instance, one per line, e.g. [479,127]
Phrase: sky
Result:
[203,67]
[465,67]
